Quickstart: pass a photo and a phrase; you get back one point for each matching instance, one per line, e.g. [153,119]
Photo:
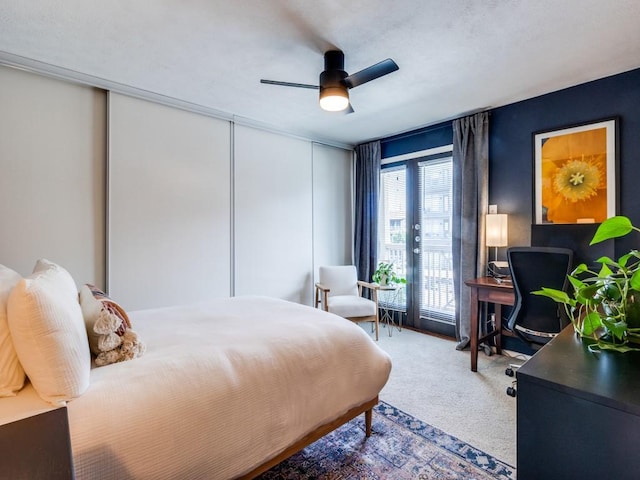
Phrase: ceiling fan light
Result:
[334,99]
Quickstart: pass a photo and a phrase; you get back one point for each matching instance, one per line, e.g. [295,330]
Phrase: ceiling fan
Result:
[335,83]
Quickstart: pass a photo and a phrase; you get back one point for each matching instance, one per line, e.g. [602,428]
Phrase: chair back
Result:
[341,280]
[536,319]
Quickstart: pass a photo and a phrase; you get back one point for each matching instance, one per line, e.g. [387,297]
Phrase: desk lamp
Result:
[496,236]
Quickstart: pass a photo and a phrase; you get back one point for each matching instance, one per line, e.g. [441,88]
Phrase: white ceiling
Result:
[455,56]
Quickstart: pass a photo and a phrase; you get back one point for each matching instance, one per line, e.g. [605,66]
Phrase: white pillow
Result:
[11,372]
[48,333]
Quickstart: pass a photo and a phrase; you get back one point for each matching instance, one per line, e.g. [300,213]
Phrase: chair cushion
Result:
[349,306]
[340,280]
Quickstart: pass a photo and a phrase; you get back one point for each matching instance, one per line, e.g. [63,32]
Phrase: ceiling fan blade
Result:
[289,84]
[371,73]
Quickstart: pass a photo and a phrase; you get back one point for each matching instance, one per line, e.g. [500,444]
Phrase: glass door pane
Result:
[435,278]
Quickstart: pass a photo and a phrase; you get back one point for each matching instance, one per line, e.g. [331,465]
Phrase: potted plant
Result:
[385,275]
[605,304]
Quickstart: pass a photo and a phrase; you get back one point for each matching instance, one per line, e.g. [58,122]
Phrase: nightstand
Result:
[37,447]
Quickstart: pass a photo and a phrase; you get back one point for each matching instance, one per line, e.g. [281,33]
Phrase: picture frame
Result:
[576,173]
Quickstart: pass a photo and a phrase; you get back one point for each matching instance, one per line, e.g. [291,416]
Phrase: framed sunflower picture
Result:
[575,171]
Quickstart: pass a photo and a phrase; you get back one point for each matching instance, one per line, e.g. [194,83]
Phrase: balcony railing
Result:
[436,289]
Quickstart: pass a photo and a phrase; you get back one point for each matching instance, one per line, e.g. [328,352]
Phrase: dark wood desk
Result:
[487,289]
[578,412]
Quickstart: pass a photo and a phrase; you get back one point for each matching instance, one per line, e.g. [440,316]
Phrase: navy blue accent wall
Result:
[415,141]
[511,131]
[511,146]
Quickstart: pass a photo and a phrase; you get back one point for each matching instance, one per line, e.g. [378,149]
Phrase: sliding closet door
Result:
[332,206]
[52,174]
[169,205]
[273,215]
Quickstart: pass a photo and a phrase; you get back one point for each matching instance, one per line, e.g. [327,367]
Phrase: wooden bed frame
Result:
[366,408]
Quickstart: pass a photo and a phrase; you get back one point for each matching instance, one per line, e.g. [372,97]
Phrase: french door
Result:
[415,234]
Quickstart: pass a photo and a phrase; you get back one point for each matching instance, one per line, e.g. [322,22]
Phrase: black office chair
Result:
[537,319]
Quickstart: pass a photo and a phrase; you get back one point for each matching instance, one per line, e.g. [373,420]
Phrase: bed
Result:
[226,389]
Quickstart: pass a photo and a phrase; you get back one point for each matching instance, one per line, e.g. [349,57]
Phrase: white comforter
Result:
[224,386]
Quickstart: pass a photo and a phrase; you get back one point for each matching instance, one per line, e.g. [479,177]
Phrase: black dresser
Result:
[578,413]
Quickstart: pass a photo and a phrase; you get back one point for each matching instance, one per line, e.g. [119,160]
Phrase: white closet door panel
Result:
[52,175]
[273,210]
[332,206]
[169,205]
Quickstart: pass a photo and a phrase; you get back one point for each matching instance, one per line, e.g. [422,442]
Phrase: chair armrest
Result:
[372,286]
[322,299]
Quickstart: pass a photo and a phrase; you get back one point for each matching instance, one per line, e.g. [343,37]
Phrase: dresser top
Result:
[608,378]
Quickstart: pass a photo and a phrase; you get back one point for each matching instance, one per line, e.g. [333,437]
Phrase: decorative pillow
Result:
[108,327]
[11,372]
[48,333]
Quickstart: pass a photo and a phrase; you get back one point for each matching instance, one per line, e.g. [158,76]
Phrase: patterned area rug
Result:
[400,447]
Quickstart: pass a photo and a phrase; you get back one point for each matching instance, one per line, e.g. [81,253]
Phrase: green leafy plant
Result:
[385,273]
[605,305]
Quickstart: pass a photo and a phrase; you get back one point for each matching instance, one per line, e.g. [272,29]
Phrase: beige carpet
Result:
[433,381]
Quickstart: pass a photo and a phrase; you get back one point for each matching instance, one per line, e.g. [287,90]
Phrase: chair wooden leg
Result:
[377,324]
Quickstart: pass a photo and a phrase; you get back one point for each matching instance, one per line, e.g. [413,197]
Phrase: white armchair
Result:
[339,291]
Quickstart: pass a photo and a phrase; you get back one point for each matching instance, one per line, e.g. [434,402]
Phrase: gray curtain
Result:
[366,205]
[470,203]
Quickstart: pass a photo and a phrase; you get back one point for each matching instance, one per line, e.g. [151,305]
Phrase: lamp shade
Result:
[496,230]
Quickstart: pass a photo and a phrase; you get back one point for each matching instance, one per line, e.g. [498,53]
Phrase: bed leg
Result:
[367,421]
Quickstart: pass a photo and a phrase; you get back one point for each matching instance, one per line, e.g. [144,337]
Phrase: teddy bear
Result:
[110,334]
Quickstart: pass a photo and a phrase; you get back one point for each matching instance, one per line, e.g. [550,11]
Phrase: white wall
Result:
[197,207]
[332,206]
[169,204]
[273,215]
[52,175]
